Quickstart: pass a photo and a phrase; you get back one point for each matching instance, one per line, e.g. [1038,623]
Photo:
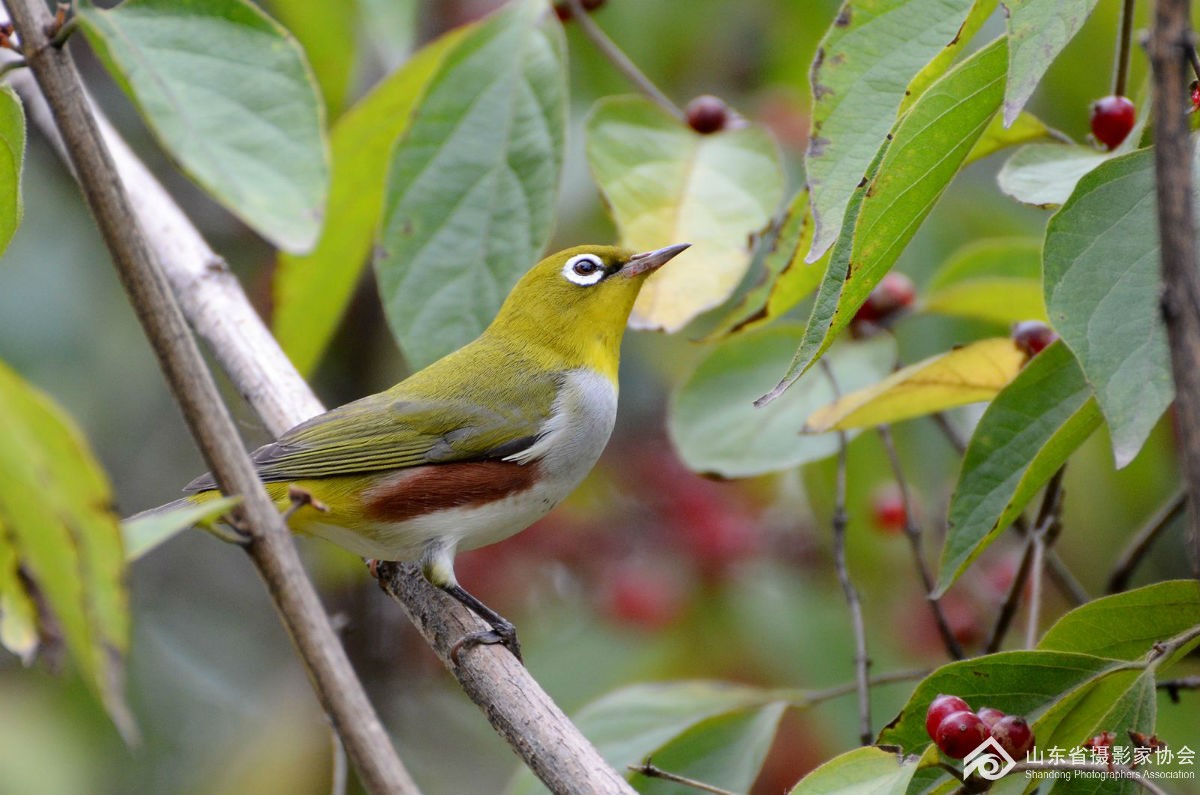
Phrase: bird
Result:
[478,445]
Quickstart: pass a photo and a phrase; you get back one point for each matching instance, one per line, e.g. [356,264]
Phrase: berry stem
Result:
[913,532]
[617,57]
[1124,38]
[861,661]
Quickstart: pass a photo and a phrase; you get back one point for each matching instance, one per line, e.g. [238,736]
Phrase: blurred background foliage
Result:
[648,573]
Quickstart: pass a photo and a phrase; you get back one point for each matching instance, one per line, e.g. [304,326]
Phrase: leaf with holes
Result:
[470,194]
[665,183]
[229,95]
[57,524]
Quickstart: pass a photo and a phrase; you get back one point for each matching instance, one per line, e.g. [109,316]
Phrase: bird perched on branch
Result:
[478,445]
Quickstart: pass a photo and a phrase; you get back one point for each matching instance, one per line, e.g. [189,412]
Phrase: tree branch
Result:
[1141,542]
[1170,43]
[268,542]
[217,308]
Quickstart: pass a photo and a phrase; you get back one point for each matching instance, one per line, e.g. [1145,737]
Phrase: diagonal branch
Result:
[268,540]
[219,311]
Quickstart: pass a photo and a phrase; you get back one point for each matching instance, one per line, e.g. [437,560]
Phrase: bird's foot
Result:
[505,635]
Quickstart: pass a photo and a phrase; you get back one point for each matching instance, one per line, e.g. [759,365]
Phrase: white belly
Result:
[565,451]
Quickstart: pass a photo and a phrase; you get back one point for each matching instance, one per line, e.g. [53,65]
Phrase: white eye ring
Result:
[584,269]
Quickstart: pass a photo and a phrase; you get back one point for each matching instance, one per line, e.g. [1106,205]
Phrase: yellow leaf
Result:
[969,374]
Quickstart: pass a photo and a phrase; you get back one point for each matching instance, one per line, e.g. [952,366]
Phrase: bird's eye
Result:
[584,269]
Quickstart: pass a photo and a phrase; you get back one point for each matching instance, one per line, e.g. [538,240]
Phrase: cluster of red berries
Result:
[958,731]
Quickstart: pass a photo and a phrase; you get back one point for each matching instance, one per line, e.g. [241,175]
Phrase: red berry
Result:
[960,733]
[990,715]
[707,114]
[939,709]
[1014,735]
[894,292]
[1112,118]
[1033,336]
[1195,90]
[564,11]
[887,510]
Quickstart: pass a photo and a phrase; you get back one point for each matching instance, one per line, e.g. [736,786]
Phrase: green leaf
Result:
[1026,128]
[998,280]
[1123,626]
[1024,436]
[981,11]
[313,290]
[862,69]
[787,278]
[1045,174]
[1102,287]
[326,33]
[927,149]
[12,158]
[725,751]
[146,531]
[1017,682]
[863,771]
[640,721]
[18,612]
[56,516]
[470,193]
[665,184]
[228,94]
[1038,30]
[716,427]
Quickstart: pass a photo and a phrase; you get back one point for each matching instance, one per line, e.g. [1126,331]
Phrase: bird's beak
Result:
[651,260]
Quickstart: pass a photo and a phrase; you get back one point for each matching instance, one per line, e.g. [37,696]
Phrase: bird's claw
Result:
[503,635]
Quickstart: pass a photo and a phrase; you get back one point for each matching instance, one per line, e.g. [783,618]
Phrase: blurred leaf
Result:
[146,531]
[1045,174]
[969,374]
[470,195]
[1038,30]
[1123,626]
[666,184]
[725,751]
[1024,436]
[228,93]
[12,160]
[862,69]
[1024,129]
[326,33]
[55,511]
[715,425]
[998,279]
[18,613]
[927,149]
[1017,682]
[312,290]
[863,771]
[787,278]
[645,720]
[1102,289]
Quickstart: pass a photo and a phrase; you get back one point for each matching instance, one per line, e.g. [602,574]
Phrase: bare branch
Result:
[1043,536]
[1141,542]
[1169,48]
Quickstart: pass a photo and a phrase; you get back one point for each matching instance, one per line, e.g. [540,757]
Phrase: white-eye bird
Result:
[478,445]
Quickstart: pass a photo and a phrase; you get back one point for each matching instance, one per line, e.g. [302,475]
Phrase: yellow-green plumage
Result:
[481,443]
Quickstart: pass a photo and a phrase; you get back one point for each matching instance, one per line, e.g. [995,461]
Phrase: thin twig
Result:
[912,530]
[950,432]
[861,661]
[1175,686]
[1169,50]
[1124,39]
[1194,60]
[270,546]
[651,771]
[1141,542]
[811,697]
[1012,600]
[617,57]
[1044,533]
[1071,589]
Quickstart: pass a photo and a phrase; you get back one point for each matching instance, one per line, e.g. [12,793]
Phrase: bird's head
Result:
[580,295]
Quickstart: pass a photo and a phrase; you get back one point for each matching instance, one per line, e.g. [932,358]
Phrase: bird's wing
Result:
[399,428]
